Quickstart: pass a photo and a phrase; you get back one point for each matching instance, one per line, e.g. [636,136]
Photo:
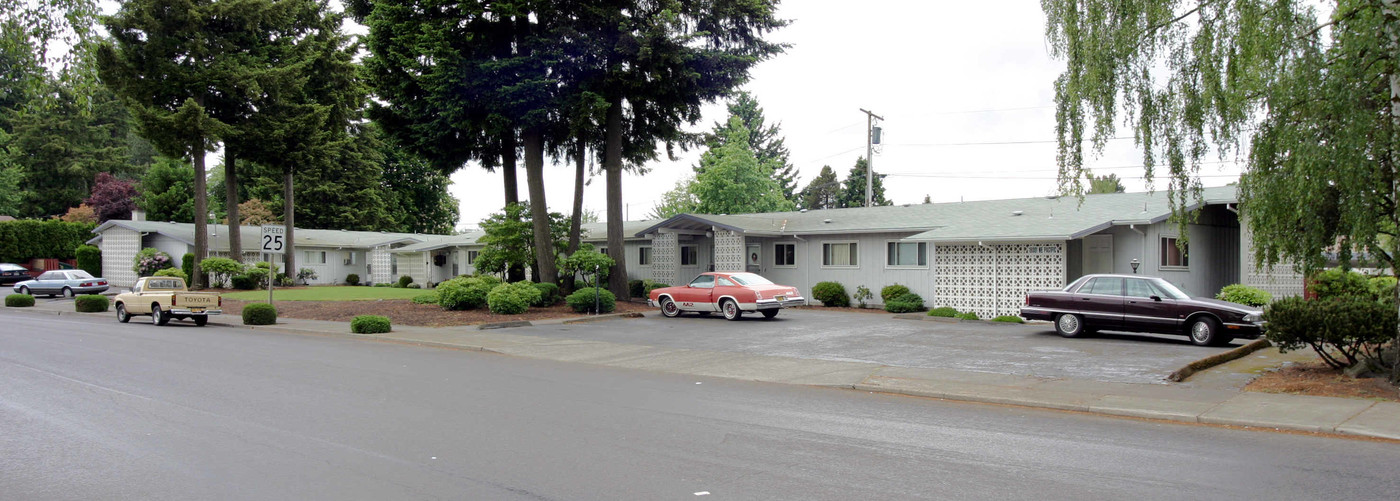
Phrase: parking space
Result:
[1031,350]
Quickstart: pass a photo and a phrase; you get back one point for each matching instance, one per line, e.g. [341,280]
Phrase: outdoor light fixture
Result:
[1134,263]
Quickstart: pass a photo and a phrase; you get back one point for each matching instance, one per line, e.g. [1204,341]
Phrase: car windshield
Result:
[1170,290]
[79,274]
[750,279]
[10,267]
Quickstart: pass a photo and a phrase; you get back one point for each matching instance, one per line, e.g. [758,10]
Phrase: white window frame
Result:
[923,254]
[472,254]
[855,263]
[694,249]
[644,257]
[1163,242]
[315,257]
[793,264]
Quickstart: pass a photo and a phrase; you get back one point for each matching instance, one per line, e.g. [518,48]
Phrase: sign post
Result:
[273,242]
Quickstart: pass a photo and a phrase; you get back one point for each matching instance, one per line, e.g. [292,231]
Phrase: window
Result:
[314,257]
[688,255]
[394,264]
[839,254]
[51,275]
[1140,288]
[703,282]
[906,254]
[1173,255]
[644,256]
[350,257]
[471,256]
[603,251]
[784,254]
[1109,286]
[724,282]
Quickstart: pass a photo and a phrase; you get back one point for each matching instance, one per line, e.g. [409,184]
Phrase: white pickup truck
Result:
[164,298]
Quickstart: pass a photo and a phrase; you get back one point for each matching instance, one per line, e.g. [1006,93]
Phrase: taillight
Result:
[85,284]
[221,301]
[174,300]
[1028,299]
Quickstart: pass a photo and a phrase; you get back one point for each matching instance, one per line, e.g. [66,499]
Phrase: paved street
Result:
[1027,350]
[95,409]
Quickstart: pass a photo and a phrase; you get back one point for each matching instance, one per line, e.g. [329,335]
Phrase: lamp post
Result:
[1134,263]
[595,289]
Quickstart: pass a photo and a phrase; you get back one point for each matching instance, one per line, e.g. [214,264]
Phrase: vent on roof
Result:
[827,221]
[1017,212]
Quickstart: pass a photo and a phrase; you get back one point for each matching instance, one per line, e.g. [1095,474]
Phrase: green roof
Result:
[1040,218]
[218,238]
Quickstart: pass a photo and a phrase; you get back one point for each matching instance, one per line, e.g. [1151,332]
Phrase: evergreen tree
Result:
[167,191]
[824,192]
[1104,184]
[733,181]
[765,140]
[853,189]
[61,148]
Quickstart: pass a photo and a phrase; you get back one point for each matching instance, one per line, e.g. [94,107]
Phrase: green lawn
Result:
[328,293]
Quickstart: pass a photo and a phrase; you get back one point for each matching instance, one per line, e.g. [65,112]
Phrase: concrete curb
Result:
[503,325]
[1219,358]
[603,318]
[949,320]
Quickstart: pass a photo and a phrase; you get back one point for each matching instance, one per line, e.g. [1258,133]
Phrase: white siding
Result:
[119,247]
[175,248]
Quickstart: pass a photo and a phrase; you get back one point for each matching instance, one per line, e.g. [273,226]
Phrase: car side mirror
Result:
[1157,298]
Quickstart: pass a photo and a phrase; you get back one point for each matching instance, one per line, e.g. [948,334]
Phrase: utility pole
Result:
[870,118]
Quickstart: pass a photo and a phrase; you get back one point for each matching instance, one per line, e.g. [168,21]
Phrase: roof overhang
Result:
[687,222]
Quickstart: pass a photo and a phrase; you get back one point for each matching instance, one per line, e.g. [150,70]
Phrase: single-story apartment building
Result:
[980,256]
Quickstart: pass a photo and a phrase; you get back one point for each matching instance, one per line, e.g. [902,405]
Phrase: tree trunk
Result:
[201,214]
[612,163]
[545,270]
[235,234]
[289,212]
[516,272]
[576,223]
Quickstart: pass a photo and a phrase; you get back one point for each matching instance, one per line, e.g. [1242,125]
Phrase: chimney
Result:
[138,215]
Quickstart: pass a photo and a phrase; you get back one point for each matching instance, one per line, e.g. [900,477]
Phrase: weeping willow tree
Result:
[1311,96]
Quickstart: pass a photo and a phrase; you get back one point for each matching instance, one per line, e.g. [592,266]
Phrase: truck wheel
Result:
[122,315]
[200,320]
[158,317]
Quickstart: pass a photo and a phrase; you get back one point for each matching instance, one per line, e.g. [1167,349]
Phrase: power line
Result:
[994,143]
[1010,178]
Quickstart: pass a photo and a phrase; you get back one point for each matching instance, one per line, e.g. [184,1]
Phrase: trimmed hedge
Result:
[187,266]
[549,294]
[1344,331]
[891,292]
[352,279]
[220,270]
[19,300]
[465,293]
[404,281]
[582,301]
[259,314]
[244,282]
[370,324]
[429,298]
[91,303]
[905,303]
[512,299]
[89,259]
[1245,295]
[831,294]
[1011,319]
[27,239]
[943,311]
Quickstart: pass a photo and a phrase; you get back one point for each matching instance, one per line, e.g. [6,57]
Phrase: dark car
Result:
[1135,303]
[12,273]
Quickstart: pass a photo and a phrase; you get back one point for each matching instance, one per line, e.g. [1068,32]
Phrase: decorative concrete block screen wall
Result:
[119,247]
[729,251]
[993,280]
[380,268]
[1281,281]
[665,255]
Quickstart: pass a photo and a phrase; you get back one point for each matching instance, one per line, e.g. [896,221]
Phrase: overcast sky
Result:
[951,79]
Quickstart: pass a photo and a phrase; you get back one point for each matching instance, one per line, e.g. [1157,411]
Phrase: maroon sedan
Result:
[1135,303]
[731,293]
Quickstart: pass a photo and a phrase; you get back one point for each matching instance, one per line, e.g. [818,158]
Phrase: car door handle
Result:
[1084,299]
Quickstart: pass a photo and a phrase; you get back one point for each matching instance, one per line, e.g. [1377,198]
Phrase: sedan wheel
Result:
[24,290]
[769,313]
[122,315]
[1205,331]
[731,310]
[1069,325]
[67,293]
[669,308]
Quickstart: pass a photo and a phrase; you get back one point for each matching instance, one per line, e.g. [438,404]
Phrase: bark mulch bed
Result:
[406,312]
[1317,379]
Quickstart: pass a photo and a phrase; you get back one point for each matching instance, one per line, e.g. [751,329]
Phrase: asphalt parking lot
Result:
[1028,350]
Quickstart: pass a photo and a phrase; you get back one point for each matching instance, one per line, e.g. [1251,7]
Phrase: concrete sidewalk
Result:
[1189,404]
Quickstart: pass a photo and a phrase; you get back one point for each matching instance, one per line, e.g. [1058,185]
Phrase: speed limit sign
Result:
[274,239]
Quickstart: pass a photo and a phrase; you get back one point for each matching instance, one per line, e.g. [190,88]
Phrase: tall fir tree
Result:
[823,192]
[765,139]
[733,181]
[853,189]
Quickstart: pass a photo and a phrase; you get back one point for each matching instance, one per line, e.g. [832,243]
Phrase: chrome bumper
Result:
[766,304]
[188,312]
[652,303]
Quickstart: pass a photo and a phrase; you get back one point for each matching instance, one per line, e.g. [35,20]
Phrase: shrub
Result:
[905,303]
[890,292]
[943,311]
[967,315]
[549,294]
[149,260]
[636,288]
[862,295]
[27,239]
[19,300]
[306,275]
[259,314]
[187,266]
[584,261]
[651,286]
[258,274]
[1244,294]
[386,284]
[369,324]
[173,272]
[352,279]
[244,282]
[512,299]
[1337,282]
[429,298]
[1011,319]
[220,270]
[1343,331]
[465,293]
[582,301]
[91,303]
[415,286]
[404,281]
[831,294]
[89,259]
[1383,288]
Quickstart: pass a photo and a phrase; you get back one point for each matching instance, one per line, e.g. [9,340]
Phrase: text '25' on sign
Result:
[274,239]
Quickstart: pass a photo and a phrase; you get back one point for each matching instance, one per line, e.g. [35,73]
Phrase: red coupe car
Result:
[732,293]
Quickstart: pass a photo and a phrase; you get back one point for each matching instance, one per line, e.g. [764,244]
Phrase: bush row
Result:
[643,288]
[31,239]
[896,298]
[487,291]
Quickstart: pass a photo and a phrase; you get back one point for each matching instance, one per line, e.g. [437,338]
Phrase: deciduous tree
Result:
[112,198]
[733,181]
[167,191]
[765,139]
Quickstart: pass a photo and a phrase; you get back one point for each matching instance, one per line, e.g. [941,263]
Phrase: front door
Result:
[1098,254]
[753,257]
